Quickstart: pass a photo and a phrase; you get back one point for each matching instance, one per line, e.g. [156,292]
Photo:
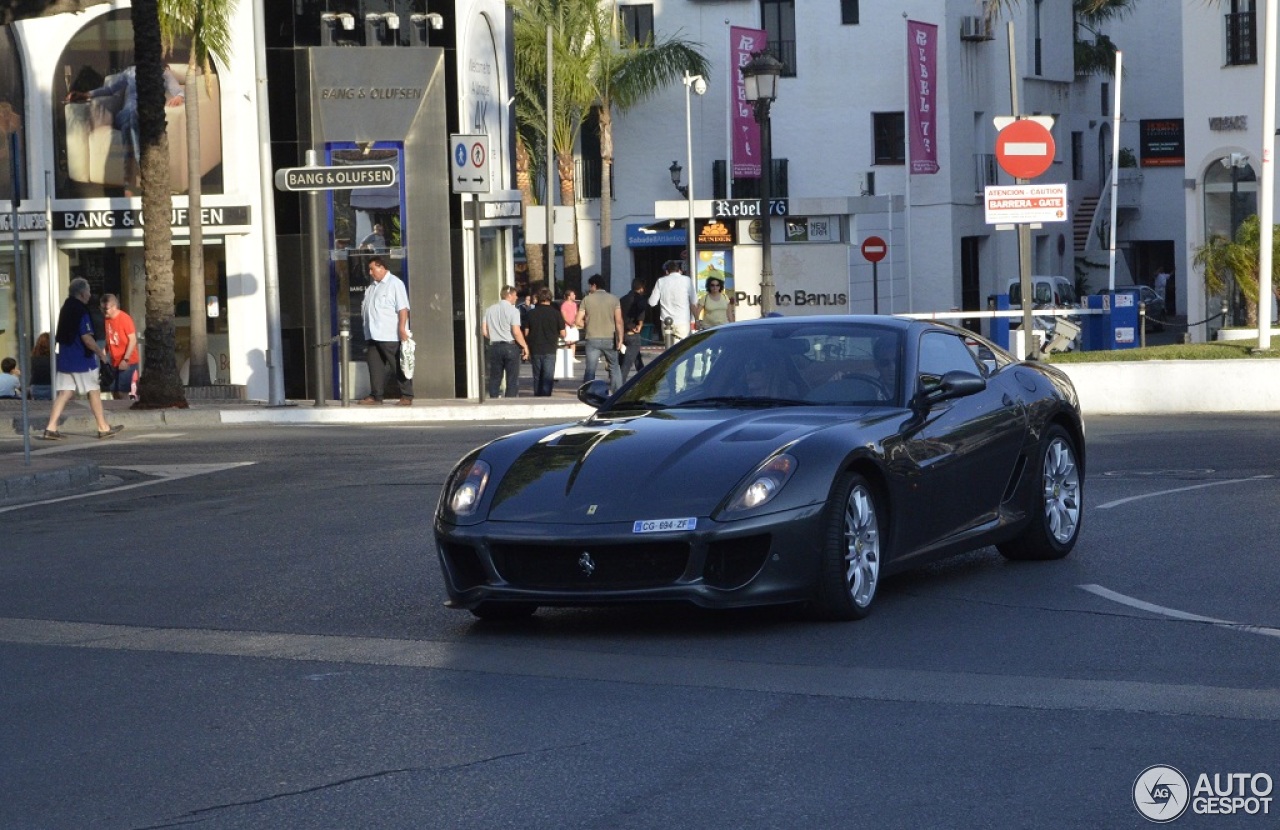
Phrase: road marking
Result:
[1119,502]
[163,472]
[700,672]
[1173,613]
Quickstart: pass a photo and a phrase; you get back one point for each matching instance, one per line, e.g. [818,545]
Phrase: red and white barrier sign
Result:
[1016,204]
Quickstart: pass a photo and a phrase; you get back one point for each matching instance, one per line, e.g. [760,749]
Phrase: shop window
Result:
[364,223]
[95,116]
[12,107]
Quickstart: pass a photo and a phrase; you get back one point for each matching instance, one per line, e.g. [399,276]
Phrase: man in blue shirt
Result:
[77,362]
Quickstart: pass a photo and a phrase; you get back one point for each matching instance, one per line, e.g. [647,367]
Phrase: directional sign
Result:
[1025,149]
[874,248]
[469,163]
[339,177]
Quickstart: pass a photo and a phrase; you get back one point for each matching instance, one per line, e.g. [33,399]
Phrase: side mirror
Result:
[956,384]
[594,393]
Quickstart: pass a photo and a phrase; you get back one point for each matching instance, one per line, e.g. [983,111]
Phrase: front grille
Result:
[733,562]
[464,566]
[591,567]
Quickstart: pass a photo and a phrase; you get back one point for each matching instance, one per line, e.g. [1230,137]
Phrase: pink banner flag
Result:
[746,132]
[922,95]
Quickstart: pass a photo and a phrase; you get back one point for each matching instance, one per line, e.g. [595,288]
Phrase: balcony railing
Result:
[785,51]
[985,171]
[1242,38]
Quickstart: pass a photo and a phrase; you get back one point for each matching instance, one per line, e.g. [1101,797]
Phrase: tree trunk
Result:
[606,193]
[198,362]
[534,255]
[159,386]
[569,198]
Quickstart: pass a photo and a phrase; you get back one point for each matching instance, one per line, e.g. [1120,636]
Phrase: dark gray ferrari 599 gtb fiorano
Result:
[785,460]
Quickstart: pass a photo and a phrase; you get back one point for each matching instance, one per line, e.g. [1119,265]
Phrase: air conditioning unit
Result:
[974,27]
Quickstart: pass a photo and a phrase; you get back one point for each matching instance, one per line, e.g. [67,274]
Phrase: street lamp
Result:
[698,84]
[760,78]
[675,170]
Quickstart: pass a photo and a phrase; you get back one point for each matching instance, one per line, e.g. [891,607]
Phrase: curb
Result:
[45,477]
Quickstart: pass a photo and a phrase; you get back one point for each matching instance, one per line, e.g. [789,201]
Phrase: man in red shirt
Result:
[122,344]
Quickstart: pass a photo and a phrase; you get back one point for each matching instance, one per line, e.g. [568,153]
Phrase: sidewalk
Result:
[51,474]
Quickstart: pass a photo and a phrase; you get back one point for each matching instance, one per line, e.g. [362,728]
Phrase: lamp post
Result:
[760,79]
[698,84]
[676,170]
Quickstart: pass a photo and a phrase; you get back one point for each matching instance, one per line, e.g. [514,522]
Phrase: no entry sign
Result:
[874,248]
[1025,149]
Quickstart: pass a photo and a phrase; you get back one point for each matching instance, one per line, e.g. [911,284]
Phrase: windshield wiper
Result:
[742,400]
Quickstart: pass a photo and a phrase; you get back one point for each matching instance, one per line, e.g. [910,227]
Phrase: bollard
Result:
[668,332]
[344,359]
[1142,324]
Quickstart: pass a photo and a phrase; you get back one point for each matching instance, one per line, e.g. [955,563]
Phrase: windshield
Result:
[792,364]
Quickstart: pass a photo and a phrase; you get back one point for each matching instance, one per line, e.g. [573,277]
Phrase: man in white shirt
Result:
[385,312]
[674,294]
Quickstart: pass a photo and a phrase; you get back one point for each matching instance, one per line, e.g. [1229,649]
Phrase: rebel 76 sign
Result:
[746,208]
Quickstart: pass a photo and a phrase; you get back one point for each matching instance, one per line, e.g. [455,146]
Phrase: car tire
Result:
[851,551]
[1058,506]
[504,611]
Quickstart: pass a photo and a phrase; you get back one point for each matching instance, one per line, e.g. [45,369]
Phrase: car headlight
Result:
[763,484]
[469,488]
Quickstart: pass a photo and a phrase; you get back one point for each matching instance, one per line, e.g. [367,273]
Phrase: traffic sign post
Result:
[874,249]
[1025,150]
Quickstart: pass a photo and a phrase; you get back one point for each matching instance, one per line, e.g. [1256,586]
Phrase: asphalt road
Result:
[245,630]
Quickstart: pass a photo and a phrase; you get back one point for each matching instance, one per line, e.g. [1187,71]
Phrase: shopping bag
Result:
[566,366]
[407,349]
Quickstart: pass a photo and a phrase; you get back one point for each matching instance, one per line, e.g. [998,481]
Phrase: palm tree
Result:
[993,8]
[593,70]
[1226,260]
[570,22]
[159,386]
[1091,56]
[624,76]
[207,25]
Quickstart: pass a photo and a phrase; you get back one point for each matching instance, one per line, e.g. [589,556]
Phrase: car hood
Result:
[665,464]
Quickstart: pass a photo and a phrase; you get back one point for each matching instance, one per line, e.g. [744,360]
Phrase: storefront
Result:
[417,79]
[81,206]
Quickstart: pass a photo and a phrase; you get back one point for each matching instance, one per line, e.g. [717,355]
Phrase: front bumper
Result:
[756,561]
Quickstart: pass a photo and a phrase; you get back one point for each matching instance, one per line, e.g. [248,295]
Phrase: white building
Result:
[1222,100]
[838,126]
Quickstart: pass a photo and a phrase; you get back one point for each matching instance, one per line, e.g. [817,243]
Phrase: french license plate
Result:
[664,525]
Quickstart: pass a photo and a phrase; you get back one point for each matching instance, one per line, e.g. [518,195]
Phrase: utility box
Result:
[1115,329]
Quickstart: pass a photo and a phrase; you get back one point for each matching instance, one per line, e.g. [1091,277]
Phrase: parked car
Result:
[1154,302]
[782,460]
[1048,292]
